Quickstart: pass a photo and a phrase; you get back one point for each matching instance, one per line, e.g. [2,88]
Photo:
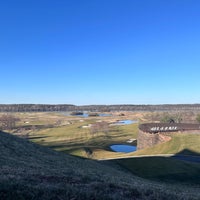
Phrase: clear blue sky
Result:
[100,51]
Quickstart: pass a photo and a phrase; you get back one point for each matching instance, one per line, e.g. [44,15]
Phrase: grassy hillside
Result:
[30,171]
[67,135]
[163,169]
[178,143]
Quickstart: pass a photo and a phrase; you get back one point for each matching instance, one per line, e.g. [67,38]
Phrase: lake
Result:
[123,148]
[86,114]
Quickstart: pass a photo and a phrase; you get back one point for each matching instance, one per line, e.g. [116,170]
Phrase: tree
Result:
[8,121]
[99,127]
[178,117]
[171,118]
[167,119]
[198,118]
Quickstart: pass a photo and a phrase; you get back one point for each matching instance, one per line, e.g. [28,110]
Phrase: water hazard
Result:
[123,148]
[125,122]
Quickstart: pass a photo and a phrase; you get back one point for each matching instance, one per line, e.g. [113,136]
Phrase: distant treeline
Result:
[35,107]
[95,108]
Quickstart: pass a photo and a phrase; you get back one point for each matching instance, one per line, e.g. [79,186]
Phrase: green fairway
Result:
[184,143]
[74,139]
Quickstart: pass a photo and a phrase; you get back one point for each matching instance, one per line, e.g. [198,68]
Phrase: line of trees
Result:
[174,117]
[96,108]
[35,107]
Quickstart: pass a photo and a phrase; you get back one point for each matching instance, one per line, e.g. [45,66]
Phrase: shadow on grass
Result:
[188,155]
[37,137]
[173,169]
[102,141]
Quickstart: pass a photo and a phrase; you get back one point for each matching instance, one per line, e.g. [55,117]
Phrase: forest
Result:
[97,108]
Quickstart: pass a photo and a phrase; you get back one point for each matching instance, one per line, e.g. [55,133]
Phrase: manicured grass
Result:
[74,140]
[183,143]
[30,171]
[163,169]
[69,137]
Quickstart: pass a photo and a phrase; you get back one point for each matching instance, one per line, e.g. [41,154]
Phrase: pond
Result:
[125,122]
[123,148]
[86,114]
[105,115]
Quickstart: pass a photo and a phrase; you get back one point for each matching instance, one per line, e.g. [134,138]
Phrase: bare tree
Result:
[99,127]
[198,118]
[8,121]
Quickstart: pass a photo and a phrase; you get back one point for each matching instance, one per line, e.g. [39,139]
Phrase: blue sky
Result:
[100,51]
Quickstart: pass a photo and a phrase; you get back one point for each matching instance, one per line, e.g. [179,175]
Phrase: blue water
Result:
[123,148]
[100,115]
[104,115]
[85,114]
[127,121]
[69,114]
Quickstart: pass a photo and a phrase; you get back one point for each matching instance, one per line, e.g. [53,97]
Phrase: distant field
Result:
[67,134]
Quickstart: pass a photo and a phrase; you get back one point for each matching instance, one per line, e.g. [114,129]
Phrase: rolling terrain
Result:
[180,143]
[31,171]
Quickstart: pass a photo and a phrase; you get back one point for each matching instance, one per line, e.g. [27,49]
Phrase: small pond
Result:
[105,115]
[123,148]
[125,122]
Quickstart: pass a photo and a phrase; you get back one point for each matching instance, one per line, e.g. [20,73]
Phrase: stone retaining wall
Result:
[156,133]
[146,140]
